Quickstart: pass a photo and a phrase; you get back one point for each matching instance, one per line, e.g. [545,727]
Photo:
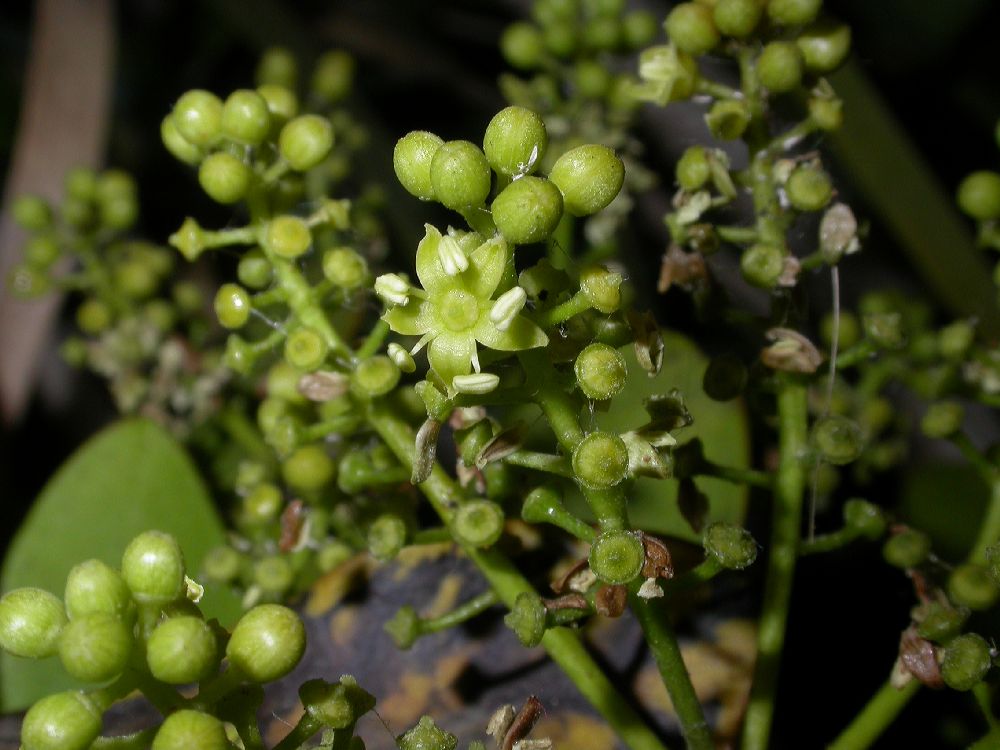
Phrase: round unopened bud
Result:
[954,340]
[478,523]
[30,622]
[93,586]
[93,316]
[64,721]
[95,647]
[979,195]
[942,419]
[254,270]
[273,575]
[907,549]
[425,736]
[42,250]
[779,67]
[837,439]
[824,46]
[865,518]
[386,536]
[691,28]
[222,563]
[725,377]
[602,288]
[639,29]
[267,643]
[374,377]
[617,557]
[737,18]
[224,178]
[460,175]
[287,236]
[181,149]
[404,627]
[793,12]
[600,460]
[528,210]
[245,117]
[966,661]
[762,265]
[333,76]
[344,267]
[305,141]
[187,729]
[182,650]
[32,213]
[527,618]
[693,169]
[522,45]
[411,159]
[972,586]
[197,116]
[732,546]
[589,177]
[941,622]
[277,66]
[232,306]
[809,188]
[282,104]
[153,567]
[308,468]
[515,141]
[600,371]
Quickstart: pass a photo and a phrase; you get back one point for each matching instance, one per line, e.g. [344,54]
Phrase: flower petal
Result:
[410,319]
[486,267]
[522,334]
[429,269]
[450,354]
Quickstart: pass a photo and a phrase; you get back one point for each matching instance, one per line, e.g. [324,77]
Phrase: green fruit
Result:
[246,118]
[528,210]
[522,45]
[907,549]
[197,116]
[254,270]
[386,536]
[153,568]
[589,178]
[232,306]
[181,149]
[374,377]
[762,265]
[287,236]
[267,643]
[64,721]
[273,574]
[460,175]
[966,661]
[979,195]
[515,141]
[809,188]
[282,104]
[308,469]
[191,730]
[865,518]
[941,622]
[691,28]
[617,557]
[601,372]
[602,288]
[411,160]
[306,141]
[93,587]
[838,440]
[31,620]
[737,18]
[182,650]
[639,29]
[345,267]
[942,419]
[93,316]
[96,647]
[693,168]
[32,213]
[779,67]
[600,461]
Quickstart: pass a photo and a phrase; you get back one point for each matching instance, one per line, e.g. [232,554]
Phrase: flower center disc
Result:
[459,310]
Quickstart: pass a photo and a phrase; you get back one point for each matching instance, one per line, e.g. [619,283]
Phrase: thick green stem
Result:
[877,714]
[463,612]
[306,727]
[562,312]
[785,529]
[562,644]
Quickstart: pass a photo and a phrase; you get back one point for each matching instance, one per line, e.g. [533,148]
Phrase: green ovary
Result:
[459,310]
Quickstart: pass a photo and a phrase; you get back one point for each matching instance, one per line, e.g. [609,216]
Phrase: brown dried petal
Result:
[658,561]
[610,600]
[292,521]
[426,450]
[523,723]
[323,385]
[566,601]
[559,585]
[507,442]
[789,272]
[919,658]
[648,341]
[681,268]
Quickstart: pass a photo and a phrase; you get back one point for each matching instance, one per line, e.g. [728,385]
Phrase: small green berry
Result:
[966,661]
[527,618]
[617,557]
[592,79]
[95,647]
[865,518]
[32,213]
[306,141]
[41,251]
[187,729]
[274,575]
[267,643]
[345,267]
[693,169]
[793,12]
[600,371]
[826,112]
[239,356]
[725,377]
[81,184]
[232,306]
[333,76]
[287,236]
[691,28]
[263,505]
[222,564]
[254,270]
[181,149]
[63,721]
[278,67]
[197,116]
[762,265]
[732,546]
[386,536]
[779,67]
[245,117]
[460,175]
[737,18]
[560,40]
[528,210]
[411,160]
[308,469]
[979,195]
[824,46]
[282,104]
[954,340]
[942,419]
[837,439]
[809,188]
[515,141]
[426,736]
[135,278]
[224,178]
[95,587]
[589,177]
[182,650]
[31,620]
[478,523]
[522,45]
[941,622]
[639,29]
[907,549]
[153,568]
[600,460]
[93,316]
[972,586]
[602,34]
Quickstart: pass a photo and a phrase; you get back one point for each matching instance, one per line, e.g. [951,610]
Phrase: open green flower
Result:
[456,308]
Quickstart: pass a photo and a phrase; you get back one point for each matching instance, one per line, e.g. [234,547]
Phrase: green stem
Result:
[575,305]
[876,716]
[828,542]
[736,475]
[437,535]
[373,341]
[561,644]
[989,526]
[481,220]
[785,529]
[475,606]
[737,235]
[708,569]
[714,89]
[540,462]
[303,304]
[306,727]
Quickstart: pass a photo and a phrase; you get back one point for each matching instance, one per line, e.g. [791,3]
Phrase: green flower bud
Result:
[727,119]
[287,236]
[941,622]
[118,210]
[64,721]
[528,210]
[954,340]
[305,141]
[224,178]
[602,288]
[460,175]
[942,419]
[273,575]
[179,147]
[725,377]
[32,213]
[245,117]
[222,564]
[404,628]
[737,18]
[232,306]
[600,460]
[94,587]
[732,546]
[277,67]
[426,736]
[592,79]
[153,568]
[979,195]
[779,67]
[600,371]
[865,518]
[809,188]
[617,557]
[267,643]
[838,440]
[824,46]
[182,650]
[306,349]
[527,618]
[95,647]
[254,270]
[691,28]
[30,622]
[374,377]
[793,12]
[401,358]
[263,505]
[639,29]
[907,549]
[560,40]
[411,160]
[602,34]
[762,265]
[333,76]
[522,45]
[282,104]
[81,184]
[93,316]
[331,554]
[966,661]
[239,355]
[972,586]
[515,141]
[187,729]
[478,523]
[826,112]
[589,177]
[308,468]
[345,267]
[386,536]
[197,116]
[693,169]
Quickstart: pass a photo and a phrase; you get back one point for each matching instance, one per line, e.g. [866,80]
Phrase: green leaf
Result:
[131,477]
